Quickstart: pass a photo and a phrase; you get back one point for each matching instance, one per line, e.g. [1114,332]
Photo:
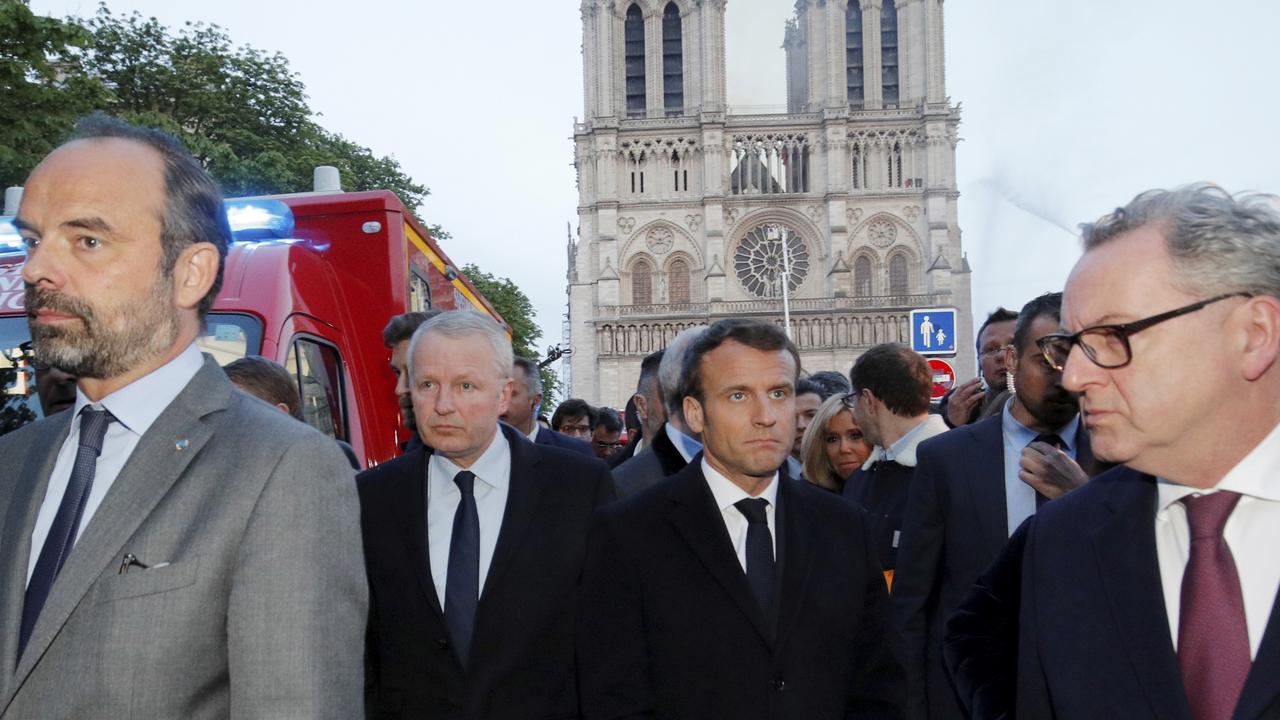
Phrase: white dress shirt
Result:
[135,407]
[1252,532]
[1019,497]
[493,479]
[726,494]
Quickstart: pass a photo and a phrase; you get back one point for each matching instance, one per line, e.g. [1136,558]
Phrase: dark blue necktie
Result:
[62,533]
[462,586]
[1055,441]
[759,551]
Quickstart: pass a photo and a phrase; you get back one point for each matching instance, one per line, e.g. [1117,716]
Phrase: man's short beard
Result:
[96,350]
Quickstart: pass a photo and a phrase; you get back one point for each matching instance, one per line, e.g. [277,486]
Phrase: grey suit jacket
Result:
[261,609]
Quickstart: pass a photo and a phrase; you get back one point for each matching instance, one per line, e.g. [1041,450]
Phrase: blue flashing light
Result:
[259,219]
[11,242]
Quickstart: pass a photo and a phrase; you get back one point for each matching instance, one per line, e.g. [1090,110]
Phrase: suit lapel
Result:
[523,495]
[29,489]
[1261,689]
[156,463]
[412,513]
[1124,546]
[696,518]
[795,554]
[984,470]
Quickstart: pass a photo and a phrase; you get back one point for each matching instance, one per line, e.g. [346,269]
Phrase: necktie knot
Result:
[1207,514]
[1051,439]
[93,428]
[466,482]
[753,509]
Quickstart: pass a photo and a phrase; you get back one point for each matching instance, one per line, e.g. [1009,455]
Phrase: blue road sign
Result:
[933,331]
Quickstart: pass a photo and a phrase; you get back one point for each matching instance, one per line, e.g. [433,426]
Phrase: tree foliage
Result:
[44,86]
[242,111]
[515,307]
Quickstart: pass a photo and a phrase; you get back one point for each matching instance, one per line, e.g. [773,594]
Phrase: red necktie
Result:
[1213,639]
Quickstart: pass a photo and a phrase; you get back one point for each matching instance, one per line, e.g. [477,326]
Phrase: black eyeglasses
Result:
[1107,346]
[848,399]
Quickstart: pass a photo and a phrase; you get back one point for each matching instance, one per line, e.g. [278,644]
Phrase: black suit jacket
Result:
[955,525]
[669,627]
[551,438]
[650,467]
[1095,639]
[521,663]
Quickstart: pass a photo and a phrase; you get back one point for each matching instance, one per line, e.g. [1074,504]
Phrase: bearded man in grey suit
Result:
[173,548]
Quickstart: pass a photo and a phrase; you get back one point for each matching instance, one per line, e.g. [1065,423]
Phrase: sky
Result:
[1068,110]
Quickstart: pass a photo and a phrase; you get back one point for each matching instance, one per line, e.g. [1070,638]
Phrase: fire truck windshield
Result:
[22,377]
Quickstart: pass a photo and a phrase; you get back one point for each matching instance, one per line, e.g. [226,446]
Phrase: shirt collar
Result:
[1257,475]
[533,434]
[488,468]
[687,446]
[726,493]
[137,405]
[903,451]
[1021,436]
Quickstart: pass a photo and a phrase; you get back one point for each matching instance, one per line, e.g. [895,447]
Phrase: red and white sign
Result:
[944,377]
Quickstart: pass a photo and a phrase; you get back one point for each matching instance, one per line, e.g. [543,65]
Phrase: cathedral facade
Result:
[837,214]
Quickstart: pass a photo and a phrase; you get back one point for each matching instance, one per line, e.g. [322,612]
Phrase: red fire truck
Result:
[310,281]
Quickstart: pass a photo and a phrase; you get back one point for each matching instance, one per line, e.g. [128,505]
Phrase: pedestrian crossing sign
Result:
[933,331]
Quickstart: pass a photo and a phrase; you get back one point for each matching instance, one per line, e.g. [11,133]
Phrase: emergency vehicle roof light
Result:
[259,219]
[10,239]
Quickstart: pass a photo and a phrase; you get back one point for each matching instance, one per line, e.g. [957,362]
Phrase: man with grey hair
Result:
[173,547]
[478,512]
[675,444]
[1151,591]
[522,411]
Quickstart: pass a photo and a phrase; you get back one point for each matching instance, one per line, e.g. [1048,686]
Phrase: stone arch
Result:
[905,234]
[682,241]
[913,270]
[678,284]
[810,233]
[642,262]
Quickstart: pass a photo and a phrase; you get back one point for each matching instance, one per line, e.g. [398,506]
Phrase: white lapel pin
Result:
[182,444]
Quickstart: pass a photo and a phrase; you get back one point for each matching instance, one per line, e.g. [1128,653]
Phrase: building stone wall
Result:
[856,197]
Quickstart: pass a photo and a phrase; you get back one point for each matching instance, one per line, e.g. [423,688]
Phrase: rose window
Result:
[760,264]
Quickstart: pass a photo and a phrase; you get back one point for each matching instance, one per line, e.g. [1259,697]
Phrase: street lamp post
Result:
[779,232]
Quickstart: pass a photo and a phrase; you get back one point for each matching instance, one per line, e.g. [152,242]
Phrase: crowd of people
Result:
[1082,531]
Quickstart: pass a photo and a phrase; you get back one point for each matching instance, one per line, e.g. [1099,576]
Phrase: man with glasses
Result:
[972,488]
[1150,592]
[975,399]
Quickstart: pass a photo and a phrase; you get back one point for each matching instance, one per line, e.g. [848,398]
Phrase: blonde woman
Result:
[832,447]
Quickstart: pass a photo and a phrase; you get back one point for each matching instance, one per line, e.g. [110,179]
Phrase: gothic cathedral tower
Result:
[839,210]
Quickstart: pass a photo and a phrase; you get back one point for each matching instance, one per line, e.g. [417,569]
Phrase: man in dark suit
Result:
[1151,591]
[522,410]
[474,545]
[675,443]
[973,486]
[172,547]
[649,409]
[730,590]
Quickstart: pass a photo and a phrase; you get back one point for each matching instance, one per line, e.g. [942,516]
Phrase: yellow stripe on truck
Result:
[434,259]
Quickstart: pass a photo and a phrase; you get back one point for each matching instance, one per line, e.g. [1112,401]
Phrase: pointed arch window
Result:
[889,52]
[898,282]
[678,281]
[862,277]
[895,165]
[633,56]
[672,62]
[641,283]
[853,53]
